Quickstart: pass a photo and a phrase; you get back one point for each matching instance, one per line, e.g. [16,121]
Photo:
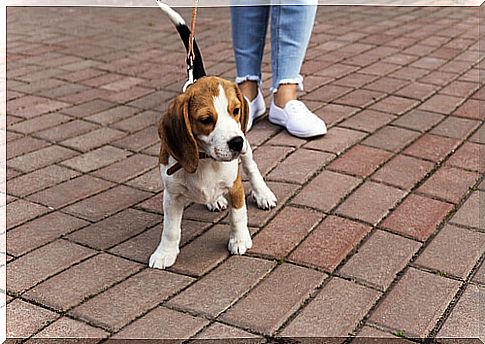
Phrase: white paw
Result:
[240,243]
[265,198]
[163,259]
[219,205]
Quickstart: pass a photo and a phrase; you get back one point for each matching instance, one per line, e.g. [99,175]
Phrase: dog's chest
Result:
[208,183]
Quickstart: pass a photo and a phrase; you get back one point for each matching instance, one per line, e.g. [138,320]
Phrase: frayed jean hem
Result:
[241,79]
[298,81]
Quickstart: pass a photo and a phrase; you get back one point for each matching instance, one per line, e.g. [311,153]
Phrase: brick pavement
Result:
[377,232]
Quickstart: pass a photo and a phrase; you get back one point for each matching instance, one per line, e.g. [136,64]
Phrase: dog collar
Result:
[175,167]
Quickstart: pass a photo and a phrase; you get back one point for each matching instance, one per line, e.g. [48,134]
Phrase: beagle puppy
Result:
[202,141]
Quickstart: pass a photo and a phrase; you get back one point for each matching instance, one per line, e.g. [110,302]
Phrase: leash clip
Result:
[190,72]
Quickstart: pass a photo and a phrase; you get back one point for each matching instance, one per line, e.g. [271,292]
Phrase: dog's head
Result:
[210,117]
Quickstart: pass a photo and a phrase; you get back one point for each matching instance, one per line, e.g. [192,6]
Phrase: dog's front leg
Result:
[168,248]
[265,199]
[240,238]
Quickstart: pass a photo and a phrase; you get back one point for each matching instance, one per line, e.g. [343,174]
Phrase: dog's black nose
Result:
[236,143]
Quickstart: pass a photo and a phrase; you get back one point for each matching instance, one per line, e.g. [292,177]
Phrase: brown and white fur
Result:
[210,117]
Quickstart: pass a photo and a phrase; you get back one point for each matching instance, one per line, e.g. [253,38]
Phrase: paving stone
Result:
[381,257]
[391,138]
[204,253]
[360,98]
[68,328]
[360,161]
[267,157]
[441,104]
[367,120]
[335,113]
[106,203]
[81,281]
[372,335]
[163,323]
[66,130]
[40,158]
[23,145]
[471,109]
[417,91]
[217,331]
[139,140]
[299,166]
[150,181]
[432,147]
[41,231]
[114,114]
[283,138]
[417,217]
[349,303]
[25,319]
[40,179]
[96,159]
[363,204]
[329,243]
[336,140]
[39,123]
[326,190]
[470,156]
[449,184]
[268,305]
[394,105]
[87,106]
[327,93]
[459,88]
[93,139]
[285,232]
[468,214]
[455,127]
[403,172]
[115,229]
[427,297]
[21,211]
[70,191]
[40,108]
[386,84]
[115,308]
[128,168]
[454,251]
[138,121]
[140,247]
[418,120]
[223,286]
[27,271]
[464,320]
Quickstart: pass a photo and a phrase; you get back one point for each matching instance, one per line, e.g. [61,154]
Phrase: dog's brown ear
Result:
[176,134]
[244,118]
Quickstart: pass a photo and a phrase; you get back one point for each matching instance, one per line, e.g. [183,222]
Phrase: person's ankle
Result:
[284,94]
[249,89]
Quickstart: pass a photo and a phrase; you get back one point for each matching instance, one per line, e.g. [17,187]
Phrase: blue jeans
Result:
[291,27]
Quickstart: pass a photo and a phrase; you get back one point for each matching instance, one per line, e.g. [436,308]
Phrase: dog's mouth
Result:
[224,155]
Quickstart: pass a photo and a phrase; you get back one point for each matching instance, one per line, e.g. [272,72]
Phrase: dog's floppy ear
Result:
[244,118]
[176,134]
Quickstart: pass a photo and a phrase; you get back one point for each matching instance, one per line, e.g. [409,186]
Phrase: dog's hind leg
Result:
[240,239]
[168,248]
[264,197]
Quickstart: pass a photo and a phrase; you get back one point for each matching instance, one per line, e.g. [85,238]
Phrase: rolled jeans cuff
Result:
[298,81]
[241,79]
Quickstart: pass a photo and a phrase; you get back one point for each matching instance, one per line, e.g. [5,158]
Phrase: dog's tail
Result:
[184,33]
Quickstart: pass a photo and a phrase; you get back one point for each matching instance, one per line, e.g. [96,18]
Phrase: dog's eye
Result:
[235,112]
[206,120]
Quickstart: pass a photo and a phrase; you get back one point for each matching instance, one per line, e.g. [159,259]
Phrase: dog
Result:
[202,140]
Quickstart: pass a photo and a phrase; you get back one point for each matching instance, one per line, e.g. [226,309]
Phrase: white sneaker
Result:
[257,108]
[297,119]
